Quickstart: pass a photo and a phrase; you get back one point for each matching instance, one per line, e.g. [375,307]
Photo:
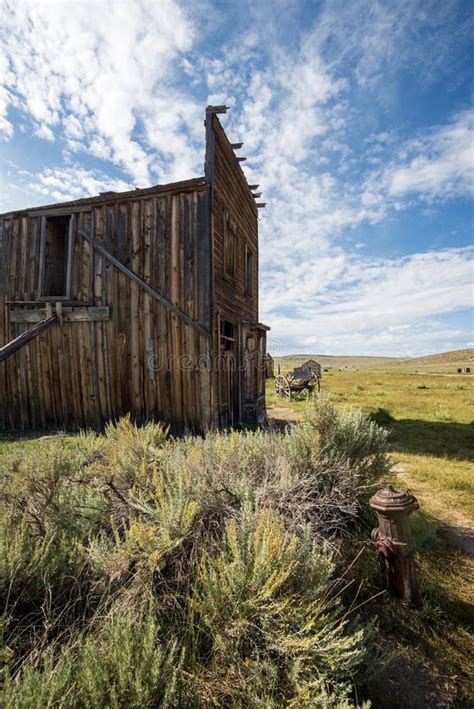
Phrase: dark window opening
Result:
[249,270]
[227,335]
[230,243]
[55,257]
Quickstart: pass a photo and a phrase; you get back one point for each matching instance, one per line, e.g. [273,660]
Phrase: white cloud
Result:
[6,127]
[418,339]
[359,301]
[113,88]
[59,184]
[374,39]
[439,165]
[43,131]
[100,68]
[296,115]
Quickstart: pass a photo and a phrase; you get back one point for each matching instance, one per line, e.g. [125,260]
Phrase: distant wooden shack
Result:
[311,366]
[142,302]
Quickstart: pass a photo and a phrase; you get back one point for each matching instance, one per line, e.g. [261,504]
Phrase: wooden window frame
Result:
[229,228]
[249,273]
[70,251]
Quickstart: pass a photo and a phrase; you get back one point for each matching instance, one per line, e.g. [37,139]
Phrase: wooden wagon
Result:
[297,382]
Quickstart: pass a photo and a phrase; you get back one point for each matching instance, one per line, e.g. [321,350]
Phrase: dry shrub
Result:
[221,538]
[272,630]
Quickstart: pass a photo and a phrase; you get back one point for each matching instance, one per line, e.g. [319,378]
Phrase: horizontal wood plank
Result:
[88,314]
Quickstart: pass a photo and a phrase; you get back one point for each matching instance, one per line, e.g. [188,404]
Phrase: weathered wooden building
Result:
[312,366]
[143,302]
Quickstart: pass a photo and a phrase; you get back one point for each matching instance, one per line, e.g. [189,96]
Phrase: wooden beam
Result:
[25,337]
[143,284]
[236,146]
[70,254]
[241,159]
[260,205]
[217,109]
[59,211]
[253,187]
[99,313]
[256,194]
[70,303]
[42,254]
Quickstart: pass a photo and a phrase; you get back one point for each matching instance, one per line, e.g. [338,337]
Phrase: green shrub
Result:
[273,631]
[221,538]
[122,664]
[351,436]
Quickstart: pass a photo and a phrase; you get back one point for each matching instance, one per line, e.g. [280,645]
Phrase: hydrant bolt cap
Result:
[390,500]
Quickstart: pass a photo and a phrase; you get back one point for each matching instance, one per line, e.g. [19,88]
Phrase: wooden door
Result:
[253,373]
[249,373]
[228,374]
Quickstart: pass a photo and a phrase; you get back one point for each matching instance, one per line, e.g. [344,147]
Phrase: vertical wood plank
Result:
[24,250]
[4,261]
[97,333]
[134,311]
[122,306]
[175,345]
[148,350]
[42,254]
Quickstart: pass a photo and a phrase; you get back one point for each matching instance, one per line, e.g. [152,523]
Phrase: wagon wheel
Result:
[315,383]
[282,386]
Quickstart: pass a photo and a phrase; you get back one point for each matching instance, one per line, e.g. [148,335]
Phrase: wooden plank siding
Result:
[84,372]
[231,198]
[138,327]
[231,194]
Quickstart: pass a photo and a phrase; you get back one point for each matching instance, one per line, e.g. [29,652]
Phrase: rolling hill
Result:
[444,362]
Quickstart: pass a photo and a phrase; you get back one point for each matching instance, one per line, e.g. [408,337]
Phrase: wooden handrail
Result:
[25,337]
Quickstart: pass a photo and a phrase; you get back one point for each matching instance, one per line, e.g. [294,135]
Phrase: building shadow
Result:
[439,438]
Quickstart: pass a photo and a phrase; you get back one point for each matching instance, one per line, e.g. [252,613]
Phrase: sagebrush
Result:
[140,570]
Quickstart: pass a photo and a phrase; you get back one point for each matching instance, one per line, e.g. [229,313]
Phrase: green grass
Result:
[431,440]
[431,429]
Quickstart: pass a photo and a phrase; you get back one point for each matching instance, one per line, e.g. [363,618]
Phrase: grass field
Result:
[431,419]
[430,416]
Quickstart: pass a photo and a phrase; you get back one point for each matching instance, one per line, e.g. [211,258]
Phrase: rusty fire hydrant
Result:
[394,544]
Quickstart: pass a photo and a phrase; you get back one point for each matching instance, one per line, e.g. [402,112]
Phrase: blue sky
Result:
[357,122]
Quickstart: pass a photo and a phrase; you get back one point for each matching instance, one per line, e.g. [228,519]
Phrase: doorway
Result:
[228,375]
